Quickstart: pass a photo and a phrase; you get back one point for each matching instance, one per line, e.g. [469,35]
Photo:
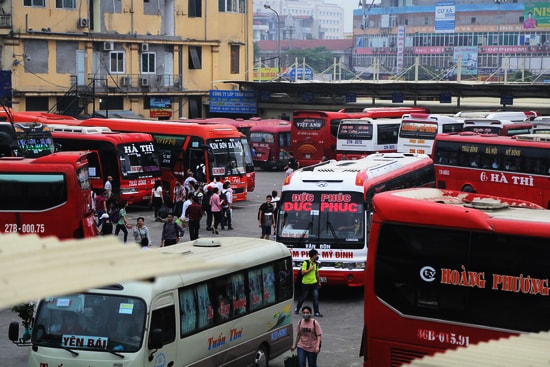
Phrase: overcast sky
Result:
[349,6]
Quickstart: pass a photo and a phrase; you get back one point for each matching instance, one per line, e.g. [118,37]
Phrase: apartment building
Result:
[157,58]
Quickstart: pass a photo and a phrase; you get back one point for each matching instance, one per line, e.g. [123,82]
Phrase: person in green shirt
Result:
[310,282]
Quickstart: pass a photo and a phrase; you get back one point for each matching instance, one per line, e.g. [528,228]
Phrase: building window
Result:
[473,20]
[195,8]
[148,62]
[116,62]
[35,3]
[65,4]
[195,57]
[37,103]
[232,6]
[235,59]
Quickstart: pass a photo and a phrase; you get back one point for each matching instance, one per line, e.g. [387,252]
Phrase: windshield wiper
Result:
[115,353]
[331,227]
[74,354]
[306,232]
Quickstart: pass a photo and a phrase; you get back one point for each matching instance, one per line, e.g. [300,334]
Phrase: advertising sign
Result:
[233,101]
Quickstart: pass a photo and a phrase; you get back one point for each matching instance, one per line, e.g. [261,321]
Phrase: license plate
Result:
[323,279]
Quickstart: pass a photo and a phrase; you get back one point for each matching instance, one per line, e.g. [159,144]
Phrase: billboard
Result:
[445,17]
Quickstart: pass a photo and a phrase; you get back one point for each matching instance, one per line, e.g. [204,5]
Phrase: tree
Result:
[319,58]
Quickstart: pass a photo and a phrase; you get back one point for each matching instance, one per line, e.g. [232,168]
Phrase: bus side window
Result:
[188,311]
[165,319]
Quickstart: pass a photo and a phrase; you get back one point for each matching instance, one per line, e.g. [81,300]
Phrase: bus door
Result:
[196,158]
[95,172]
[163,329]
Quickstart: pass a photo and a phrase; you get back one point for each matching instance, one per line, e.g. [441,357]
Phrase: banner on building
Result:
[445,17]
[536,15]
[160,107]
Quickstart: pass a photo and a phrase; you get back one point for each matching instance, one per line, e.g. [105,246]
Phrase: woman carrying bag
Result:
[141,234]
[308,339]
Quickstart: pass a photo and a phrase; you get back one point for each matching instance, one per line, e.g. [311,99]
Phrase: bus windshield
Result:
[228,156]
[359,130]
[318,217]
[90,321]
[138,158]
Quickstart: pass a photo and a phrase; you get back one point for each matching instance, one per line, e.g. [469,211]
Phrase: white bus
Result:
[498,127]
[541,125]
[327,206]
[236,313]
[357,138]
[418,130]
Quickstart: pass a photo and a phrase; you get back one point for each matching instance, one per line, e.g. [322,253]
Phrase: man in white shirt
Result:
[109,186]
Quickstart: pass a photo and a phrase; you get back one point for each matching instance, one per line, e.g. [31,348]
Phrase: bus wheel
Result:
[468,188]
[262,357]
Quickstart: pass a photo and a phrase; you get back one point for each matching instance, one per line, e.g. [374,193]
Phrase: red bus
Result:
[47,196]
[515,167]
[211,151]
[313,133]
[498,127]
[130,158]
[447,269]
[270,144]
[328,207]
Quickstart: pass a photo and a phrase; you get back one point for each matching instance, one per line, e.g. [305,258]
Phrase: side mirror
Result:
[155,339]
[13,331]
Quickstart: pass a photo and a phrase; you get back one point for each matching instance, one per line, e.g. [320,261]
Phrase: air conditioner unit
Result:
[144,47]
[144,82]
[126,81]
[83,22]
[108,46]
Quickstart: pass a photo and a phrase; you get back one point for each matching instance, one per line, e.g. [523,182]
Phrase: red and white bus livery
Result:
[327,207]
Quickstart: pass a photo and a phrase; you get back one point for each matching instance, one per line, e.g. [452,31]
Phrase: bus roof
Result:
[369,167]
[370,121]
[47,161]
[94,262]
[516,116]
[539,140]
[493,122]
[429,118]
[162,127]
[486,212]
[216,256]
[97,133]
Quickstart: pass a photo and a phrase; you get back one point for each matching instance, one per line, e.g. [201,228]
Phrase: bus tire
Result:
[262,357]
[469,189]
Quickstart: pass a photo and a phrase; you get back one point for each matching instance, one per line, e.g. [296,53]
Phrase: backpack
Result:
[206,201]
[223,197]
[115,215]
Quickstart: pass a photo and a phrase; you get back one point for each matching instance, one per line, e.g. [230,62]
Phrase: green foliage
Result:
[319,58]
[25,311]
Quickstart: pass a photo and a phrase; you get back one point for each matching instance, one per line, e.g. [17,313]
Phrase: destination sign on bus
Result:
[355,131]
[419,127]
[326,202]
[309,124]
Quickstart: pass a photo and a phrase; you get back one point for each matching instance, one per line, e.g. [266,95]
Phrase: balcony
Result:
[137,83]
[5,21]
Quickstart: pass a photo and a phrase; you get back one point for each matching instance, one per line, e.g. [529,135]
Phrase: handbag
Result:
[163,211]
[292,361]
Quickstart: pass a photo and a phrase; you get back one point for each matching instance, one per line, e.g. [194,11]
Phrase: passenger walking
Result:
[292,164]
[171,232]
[142,236]
[122,223]
[216,208]
[178,198]
[106,225]
[227,206]
[194,213]
[109,186]
[157,199]
[206,207]
[100,206]
[275,199]
[308,339]
[265,218]
[310,282]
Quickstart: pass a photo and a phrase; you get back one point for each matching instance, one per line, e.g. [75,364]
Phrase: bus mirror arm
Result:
[155,342]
